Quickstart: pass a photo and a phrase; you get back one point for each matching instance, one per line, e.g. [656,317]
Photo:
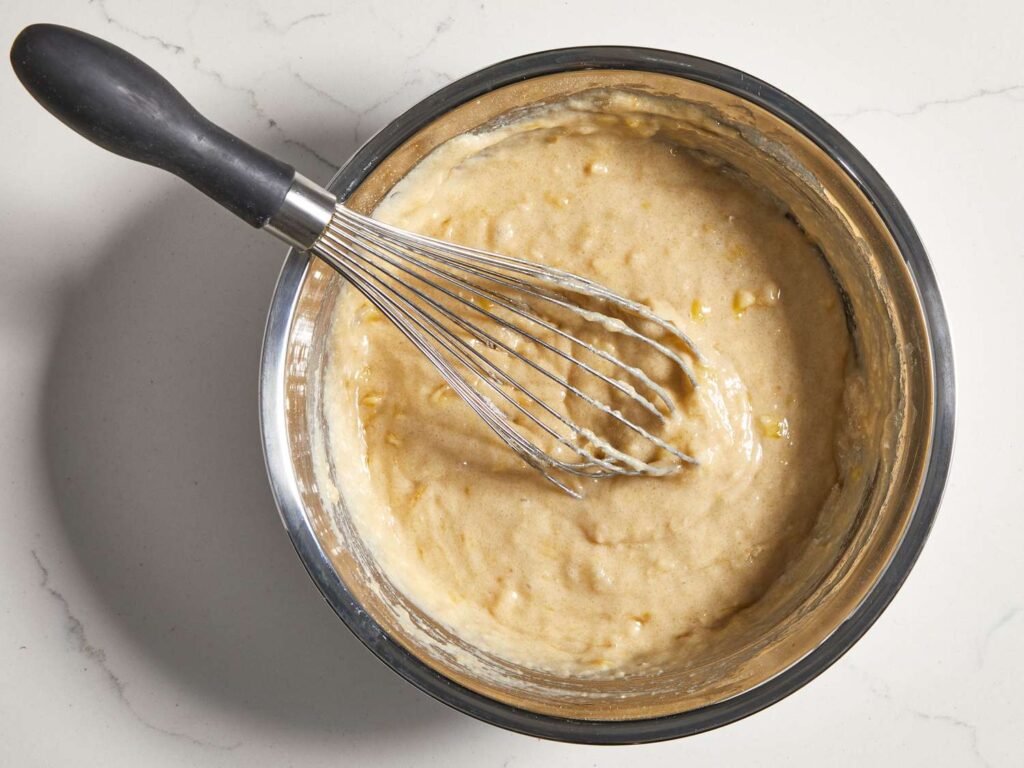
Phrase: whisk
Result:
[489,323]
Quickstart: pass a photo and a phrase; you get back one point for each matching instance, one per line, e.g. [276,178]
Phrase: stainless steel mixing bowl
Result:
[902,345]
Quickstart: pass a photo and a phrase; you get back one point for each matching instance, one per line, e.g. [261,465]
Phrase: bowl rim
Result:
[286,489]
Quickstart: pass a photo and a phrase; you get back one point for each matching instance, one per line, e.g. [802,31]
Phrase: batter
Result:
[643,570]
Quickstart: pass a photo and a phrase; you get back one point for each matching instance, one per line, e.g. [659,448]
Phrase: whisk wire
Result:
[561,381]
[491,372]
[409,277]
[617,384]
[414,329]
[445,252]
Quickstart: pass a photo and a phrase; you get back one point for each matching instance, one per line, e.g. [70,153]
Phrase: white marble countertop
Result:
[152,611]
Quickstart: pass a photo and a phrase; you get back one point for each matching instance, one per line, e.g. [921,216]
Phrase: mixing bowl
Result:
[901,345]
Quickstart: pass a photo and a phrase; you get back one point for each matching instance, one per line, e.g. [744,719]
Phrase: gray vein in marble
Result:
[1001,622]
[77,635]
[970,728]
[440,28]
[172,47]
[359,133]
[880,689]
[423,78]
[287,27]
[381,102]
[443,25]
[321,92]
[326,162]
[258,110]
[924,106]
[200,67]
[331,99]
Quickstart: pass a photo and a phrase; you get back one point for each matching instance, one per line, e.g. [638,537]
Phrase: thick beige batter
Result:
[642,570]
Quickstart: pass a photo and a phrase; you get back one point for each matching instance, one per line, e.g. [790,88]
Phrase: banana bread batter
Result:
[642,569]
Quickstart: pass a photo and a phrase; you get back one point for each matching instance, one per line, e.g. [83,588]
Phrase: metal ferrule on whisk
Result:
[304,215]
